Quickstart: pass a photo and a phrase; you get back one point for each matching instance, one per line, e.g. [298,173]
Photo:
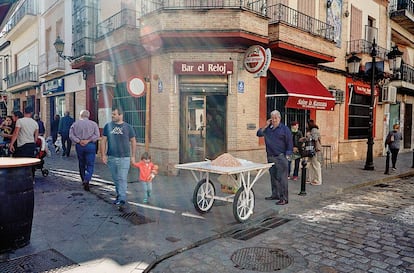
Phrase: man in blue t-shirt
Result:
[118,146]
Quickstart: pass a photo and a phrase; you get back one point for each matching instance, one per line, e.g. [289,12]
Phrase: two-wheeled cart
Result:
[244,177]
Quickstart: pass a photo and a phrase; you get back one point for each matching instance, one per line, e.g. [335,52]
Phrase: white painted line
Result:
[192,215]
[152,207]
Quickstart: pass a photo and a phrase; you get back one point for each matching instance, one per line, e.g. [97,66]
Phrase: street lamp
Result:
[353,67]
[395,56]
[59,45]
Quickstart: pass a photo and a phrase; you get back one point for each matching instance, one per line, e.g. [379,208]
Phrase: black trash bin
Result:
[16,202]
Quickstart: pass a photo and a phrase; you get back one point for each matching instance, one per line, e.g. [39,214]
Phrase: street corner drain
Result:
[136,218]
[262,259]
[46,261]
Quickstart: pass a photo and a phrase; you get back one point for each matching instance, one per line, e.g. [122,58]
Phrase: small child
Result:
[147,172]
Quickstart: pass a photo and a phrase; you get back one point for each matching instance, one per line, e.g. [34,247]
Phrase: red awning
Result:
[304,91]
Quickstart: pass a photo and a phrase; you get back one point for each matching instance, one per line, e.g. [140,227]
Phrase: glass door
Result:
[193,136]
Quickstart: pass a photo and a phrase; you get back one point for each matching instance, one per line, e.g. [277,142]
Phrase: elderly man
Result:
[279,148]
[85,133]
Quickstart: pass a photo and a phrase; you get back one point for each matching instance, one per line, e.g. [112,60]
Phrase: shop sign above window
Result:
[203,68]
[53,86]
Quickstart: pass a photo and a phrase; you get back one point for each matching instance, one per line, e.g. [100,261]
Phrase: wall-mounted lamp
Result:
[346,13]
[353,64]
[328,3]
[59,45]
[395,56]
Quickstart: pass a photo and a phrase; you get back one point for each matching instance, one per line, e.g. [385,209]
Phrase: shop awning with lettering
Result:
[304,91]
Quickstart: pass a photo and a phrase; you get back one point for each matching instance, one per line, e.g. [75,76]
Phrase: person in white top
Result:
[26,134]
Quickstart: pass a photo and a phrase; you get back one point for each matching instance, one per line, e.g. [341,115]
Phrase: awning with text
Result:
[304,91]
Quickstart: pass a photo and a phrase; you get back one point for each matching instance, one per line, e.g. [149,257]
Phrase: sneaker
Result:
[394,169]
[120,202]
[145,200]
[295,178]
[289,178]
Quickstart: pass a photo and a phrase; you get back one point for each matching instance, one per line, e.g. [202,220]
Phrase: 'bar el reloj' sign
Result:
[204,68]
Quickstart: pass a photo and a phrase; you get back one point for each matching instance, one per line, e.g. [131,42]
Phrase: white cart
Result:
[244,177]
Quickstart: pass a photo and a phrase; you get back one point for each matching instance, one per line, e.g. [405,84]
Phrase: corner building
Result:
[197,78]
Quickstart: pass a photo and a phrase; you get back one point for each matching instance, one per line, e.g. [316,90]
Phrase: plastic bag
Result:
[58,144]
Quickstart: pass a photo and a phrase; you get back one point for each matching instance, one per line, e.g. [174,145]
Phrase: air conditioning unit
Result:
[389,94]
[104,73]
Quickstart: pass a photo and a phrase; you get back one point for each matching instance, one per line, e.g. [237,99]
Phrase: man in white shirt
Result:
[25,133]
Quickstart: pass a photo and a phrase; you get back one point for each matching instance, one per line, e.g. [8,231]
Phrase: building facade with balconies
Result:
[401,15]
[20,62]
[181,68]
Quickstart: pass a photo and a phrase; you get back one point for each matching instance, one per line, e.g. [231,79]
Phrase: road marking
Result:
[64,173]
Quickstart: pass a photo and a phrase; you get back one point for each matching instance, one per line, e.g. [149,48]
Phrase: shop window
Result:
[134,110]
[358,116]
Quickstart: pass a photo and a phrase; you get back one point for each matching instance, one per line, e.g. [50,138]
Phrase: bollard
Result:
[387,163]
[413,160]
[303,178]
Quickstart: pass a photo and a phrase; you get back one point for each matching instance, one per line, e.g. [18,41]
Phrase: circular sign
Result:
[254,59]
[136,87]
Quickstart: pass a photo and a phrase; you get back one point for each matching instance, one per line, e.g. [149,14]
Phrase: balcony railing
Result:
[364,46]
[83,47]
[402,5]
[407,73]
[124,18]
[26,74]
[280,13]
[27,8]
[256,6]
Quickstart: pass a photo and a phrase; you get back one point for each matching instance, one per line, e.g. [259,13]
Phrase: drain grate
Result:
[263,226]
[46,261]
[135,218]
[261,259]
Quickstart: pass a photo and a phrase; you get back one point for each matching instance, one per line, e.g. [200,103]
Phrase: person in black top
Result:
[42,128]
[296,136]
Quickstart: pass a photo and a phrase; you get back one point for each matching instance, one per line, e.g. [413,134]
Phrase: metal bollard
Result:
[413,160]
[303,178]
[387,163]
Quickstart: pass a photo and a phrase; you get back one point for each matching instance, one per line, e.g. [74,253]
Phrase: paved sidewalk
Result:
[90,231]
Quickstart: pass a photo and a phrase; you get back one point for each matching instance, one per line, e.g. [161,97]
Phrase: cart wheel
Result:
[203,196]
[45,173]
[243,205]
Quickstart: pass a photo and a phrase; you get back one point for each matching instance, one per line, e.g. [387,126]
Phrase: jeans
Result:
[394,155]
[147,187]
[278,176]
[66,144]
[86,157]
[119,167]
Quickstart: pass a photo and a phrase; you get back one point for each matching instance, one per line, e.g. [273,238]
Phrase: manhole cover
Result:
[135,218]
[46,261]
[261,259]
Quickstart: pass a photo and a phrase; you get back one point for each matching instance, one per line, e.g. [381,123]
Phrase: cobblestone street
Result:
[369,230]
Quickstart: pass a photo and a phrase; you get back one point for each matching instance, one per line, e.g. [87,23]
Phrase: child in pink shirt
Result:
[147,172]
